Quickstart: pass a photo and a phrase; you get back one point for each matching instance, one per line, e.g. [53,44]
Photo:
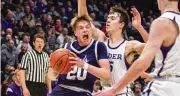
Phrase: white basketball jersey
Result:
[167,61]
[118,63]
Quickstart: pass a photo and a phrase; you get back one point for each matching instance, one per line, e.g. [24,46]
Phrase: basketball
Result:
[59,61]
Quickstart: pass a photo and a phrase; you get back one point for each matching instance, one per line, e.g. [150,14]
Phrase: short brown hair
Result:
[77,19]
[124,17]
[26,34]
[38,35]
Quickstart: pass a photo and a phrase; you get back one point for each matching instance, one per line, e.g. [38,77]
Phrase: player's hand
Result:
[108,92]
[146,76]
[136,19]
[26,92]
[73,54]
[76,62]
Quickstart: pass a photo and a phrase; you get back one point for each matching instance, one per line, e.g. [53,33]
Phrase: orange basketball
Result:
[59,61]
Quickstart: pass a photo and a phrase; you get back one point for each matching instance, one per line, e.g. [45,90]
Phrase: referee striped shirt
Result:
[35,65]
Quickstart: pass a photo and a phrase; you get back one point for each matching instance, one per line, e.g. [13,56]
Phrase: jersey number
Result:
[77,73]
[111,65]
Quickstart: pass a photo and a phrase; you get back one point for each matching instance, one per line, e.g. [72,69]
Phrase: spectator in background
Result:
[4,40]
[64,16]
[97,87]
[53,12]
[24,49]
[48,22]
[103,12]
[20,28]
[9,31]
[18,14]
[61,38]
[41,7]
[26,39]
[51,40]
[8,55]
[69,10]
[58,29]
[33,8]
[29,16]
[92,6]
[138,89]
[14,89]
[8,22]
[96,23]
[5,83]
[131,38]
[37,28]
[5,44]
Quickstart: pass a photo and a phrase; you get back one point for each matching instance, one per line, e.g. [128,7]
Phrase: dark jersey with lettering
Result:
[91,54]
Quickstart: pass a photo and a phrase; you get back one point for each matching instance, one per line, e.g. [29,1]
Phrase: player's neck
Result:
[82,44]
[38,50]
[17,83]
[116,37]
[171,7]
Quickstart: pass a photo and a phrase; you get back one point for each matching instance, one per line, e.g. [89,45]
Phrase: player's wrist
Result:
[85,66]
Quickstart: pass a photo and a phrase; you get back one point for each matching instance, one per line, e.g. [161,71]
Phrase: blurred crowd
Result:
[22,19]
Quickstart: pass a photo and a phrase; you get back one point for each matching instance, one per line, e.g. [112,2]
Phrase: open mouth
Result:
[85,37]
[39,46]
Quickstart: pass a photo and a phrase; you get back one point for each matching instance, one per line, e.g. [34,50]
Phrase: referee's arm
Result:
[24,63]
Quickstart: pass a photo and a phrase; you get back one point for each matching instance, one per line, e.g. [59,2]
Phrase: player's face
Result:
[83,32]
[113,24]
[39,44]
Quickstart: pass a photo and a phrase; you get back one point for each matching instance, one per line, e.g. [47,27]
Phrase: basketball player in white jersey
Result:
[163,44]
[120,52]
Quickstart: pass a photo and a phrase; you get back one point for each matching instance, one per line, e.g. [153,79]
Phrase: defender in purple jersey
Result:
[15,89]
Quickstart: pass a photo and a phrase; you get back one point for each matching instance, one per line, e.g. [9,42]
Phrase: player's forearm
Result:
[102,73]
[134,72]
[143,33]
[22,78]
[48,82]
[82,8]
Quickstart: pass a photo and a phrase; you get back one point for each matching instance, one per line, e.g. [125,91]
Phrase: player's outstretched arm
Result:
[82,10]
[136,22]
[156,38]
[134,45]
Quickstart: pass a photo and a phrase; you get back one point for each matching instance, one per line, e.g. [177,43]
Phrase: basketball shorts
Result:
[163,87]
[64,91]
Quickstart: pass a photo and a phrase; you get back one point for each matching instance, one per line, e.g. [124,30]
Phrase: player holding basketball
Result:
[121,52]
[91,62]
[163,42]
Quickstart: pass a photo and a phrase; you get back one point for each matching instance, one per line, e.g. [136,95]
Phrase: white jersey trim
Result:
[82,49]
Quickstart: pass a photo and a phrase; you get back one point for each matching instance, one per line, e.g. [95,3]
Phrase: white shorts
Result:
[160,87]
[126,92]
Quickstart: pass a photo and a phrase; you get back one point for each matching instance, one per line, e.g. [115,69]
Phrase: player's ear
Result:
[34,43]
[75,32]
[121,25]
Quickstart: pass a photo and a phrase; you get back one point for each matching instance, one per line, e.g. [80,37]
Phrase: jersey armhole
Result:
[65,46]
[96,50]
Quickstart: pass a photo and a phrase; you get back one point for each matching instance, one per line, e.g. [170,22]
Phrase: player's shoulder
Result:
[132,43]
[161,22]
[100,44]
